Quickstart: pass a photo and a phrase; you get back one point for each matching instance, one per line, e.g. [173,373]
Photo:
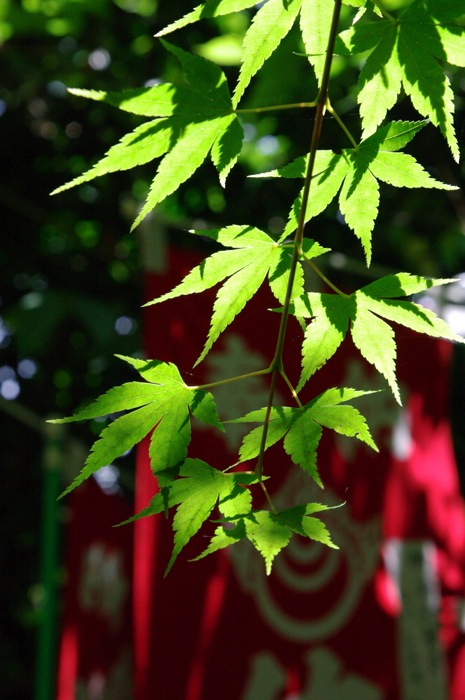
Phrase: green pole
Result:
[52,464]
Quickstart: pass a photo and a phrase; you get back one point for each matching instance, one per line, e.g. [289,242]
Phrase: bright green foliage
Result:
[270,533]
[269,27]
[211,8]
[271,24]
[355,174]
[408,51]
[164,403]
[198,490]
[405,53]
[254,257]
[334,314]
[190,122]
[302,428]
[315,22]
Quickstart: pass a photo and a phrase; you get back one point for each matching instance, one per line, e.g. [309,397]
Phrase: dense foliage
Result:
[199,118]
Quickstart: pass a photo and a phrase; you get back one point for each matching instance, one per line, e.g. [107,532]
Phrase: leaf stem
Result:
[237,378]
[268,498]
[336,116]
[291,389]
[271,393]
[325,279]
[277,362]
[273,108]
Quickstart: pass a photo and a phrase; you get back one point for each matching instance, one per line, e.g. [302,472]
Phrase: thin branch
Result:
[276,364]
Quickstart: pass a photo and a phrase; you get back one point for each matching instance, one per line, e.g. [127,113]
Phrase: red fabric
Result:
[324,624]
[96,642]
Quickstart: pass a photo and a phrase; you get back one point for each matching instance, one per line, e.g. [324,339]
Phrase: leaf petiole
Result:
[273,108]
[325,279]
[336,116]
[291,388]
[212,385]
[268,498]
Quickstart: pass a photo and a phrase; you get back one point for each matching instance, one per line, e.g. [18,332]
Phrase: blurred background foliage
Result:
[70,271]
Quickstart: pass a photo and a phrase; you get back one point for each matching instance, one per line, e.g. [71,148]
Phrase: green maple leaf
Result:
[163,402]
[354,174]
[195,493]
[270,25]
[253,257]
[302,428]
[315,24]
[211,8]
[206,488]
[363,313]
[407,52]
[270,533]
[189,121]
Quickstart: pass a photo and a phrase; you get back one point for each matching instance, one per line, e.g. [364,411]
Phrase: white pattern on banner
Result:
[306,567]
[412,566]
[103,585]
[325,678]
[116,685]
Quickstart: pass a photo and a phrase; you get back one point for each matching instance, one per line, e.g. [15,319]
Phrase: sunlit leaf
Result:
[354,174]
[407,53]
[164,402]
[363,312]
[270,532]
[193,120]
[254,256]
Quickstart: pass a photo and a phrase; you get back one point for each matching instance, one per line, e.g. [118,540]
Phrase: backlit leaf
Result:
[211,8]
[206,487]
[270,25]
[254,256]
[354,174]
[363,312]
[194,120]
[164,402]
[405,54]
[315,24]
[270,532]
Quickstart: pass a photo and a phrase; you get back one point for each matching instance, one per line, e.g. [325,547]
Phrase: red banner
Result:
[358,623]
[96,641]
